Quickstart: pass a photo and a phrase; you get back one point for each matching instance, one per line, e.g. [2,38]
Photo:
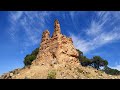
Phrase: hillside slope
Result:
[58,71]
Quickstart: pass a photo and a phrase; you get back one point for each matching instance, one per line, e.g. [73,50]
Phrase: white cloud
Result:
[15,15]
[94,29]
[80,43]
[31,23]
[100,32]
[98,41]
[98,23]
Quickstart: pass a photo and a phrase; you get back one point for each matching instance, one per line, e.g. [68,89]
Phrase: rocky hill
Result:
[57,59]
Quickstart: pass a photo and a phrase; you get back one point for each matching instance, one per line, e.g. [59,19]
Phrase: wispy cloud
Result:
[28,24]
[16,16]
[94,29]
[80,43]
[103,29]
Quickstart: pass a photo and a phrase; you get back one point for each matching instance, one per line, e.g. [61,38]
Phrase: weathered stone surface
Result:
[11,74]
[58,47]
[57,30]
[45,35]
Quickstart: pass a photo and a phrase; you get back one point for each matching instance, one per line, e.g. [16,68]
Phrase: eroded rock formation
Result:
[57,49]
[57,58]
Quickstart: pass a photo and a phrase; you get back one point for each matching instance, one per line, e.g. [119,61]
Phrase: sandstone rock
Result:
[57,30]
[76,76]
[115,77]
[45,35]
[54,61]
[11,74]
[56,49]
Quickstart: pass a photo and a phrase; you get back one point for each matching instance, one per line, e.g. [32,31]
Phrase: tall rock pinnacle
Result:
[57,48]
[45,35]
[57,30]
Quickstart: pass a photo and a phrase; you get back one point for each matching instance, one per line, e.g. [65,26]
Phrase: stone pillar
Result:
[45,35]
[57,30]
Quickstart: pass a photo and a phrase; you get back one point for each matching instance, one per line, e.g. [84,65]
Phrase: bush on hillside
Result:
[51,75]
[83,59]
[111,71]
[30,57]
[97,62]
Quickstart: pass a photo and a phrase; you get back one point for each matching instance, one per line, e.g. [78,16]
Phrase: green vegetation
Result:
[85,61]
[111,71]
[97,62]
[79,70]
[30,57]
[51,75]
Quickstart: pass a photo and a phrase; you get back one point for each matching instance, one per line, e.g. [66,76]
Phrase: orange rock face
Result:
[57,48]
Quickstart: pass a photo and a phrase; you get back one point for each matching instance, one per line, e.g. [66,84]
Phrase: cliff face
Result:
[56,49]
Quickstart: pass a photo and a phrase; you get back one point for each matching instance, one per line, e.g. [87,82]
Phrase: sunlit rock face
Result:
[57,49]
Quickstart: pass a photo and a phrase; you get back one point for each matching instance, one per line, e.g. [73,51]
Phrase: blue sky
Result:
[93,32]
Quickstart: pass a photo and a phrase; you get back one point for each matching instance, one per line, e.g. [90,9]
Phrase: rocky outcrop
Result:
[10,75]
[57,30]
[57,58]
[45,35]
[57,48]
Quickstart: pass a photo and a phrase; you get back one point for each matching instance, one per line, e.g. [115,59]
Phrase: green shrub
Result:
[79,70]
[97,62]
[35,52]
[30,57]
[111,71]
[51,75]
[83,59]
[80,53]
[86,62]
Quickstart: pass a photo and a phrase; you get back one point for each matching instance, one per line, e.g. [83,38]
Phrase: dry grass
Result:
[79,70]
